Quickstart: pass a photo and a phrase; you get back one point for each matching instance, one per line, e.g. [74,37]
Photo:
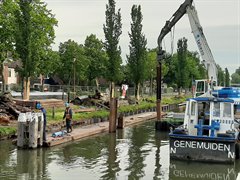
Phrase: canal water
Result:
[137,152]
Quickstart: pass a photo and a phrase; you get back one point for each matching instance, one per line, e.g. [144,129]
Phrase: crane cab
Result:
[203,86]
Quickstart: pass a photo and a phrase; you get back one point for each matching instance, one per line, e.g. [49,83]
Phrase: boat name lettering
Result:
[202,145]
[186,174]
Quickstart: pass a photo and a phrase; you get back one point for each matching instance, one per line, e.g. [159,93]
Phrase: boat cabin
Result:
[209,116]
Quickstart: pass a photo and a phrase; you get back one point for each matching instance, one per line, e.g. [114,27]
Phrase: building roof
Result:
[13,64]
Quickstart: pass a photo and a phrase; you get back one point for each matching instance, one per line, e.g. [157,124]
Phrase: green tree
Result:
[48,64]
[195,68]
[94,51]
[235,78]
[73,63]
[238,71]
[227,78]
[113,30]
[220,76]
[138,51]
[34,36]
[151,67]
[7,29]
[182,73]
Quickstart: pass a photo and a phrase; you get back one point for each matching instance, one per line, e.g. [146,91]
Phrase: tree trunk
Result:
[42,83]
[3,78]
[97,83]
[179,90]
[137,91]
[112,87]
[151,86]
[26,88]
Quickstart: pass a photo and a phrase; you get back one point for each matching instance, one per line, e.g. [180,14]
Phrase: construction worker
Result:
[68,116]
[39,106]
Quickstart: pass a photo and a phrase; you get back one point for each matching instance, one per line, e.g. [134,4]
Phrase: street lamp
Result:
[74,76]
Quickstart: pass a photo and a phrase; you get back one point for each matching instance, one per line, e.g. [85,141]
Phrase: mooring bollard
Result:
[30,130]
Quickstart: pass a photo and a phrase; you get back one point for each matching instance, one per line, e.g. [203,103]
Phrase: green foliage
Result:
[238,71]
[137,59]
[5,131]
[59,112]
[72,58]
[138,53]
[49,62]
[7,27]
[168,100]
[182,72]
[151,63]
[113,30]
[221,76]
[227,78]
[7,30]
[97,57]
[148,103]
[34,35]
[235,78]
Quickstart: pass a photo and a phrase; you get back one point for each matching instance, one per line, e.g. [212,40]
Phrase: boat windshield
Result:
[216,109]
[193,108]
[227,110]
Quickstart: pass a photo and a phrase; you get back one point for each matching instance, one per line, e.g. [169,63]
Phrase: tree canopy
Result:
[34,36]
[95,53]
[72,58]
[236,76]
[112,30]
[7,30]
[138,50]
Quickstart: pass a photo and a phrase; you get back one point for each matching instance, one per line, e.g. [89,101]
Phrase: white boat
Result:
[209,131]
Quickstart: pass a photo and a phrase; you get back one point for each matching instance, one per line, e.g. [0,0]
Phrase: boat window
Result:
[193,108]
[216,109]
[227,110]
[200,86]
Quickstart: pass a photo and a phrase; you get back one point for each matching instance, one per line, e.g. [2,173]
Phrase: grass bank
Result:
[146,103]
[7,131]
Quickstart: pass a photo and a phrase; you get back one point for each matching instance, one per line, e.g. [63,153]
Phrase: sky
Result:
[220,20]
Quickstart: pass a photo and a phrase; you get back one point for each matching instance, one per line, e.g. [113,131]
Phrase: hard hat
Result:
[38,105]
[66,104]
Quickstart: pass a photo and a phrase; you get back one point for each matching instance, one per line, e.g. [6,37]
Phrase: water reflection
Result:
[161,163]
[137,152]
[22,164]
[193,170]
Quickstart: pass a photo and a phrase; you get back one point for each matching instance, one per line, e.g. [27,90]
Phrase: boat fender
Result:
[179,131]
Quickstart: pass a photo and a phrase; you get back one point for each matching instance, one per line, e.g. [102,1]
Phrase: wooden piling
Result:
[120,121]
[112,115]
[53,112]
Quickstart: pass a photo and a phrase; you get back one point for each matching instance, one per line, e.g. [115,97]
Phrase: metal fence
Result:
[70,91]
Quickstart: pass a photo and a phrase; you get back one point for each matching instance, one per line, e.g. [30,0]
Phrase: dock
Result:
[96,128]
